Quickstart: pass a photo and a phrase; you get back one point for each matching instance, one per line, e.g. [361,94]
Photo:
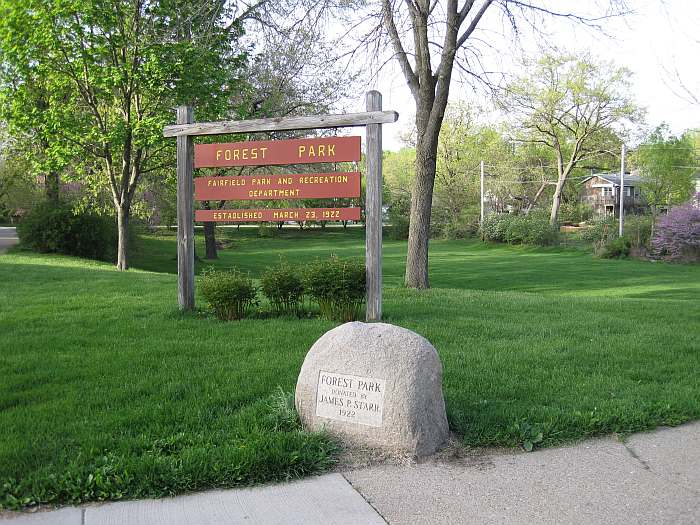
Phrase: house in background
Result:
[601,191]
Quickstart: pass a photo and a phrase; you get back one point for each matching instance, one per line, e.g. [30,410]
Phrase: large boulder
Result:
[375,385]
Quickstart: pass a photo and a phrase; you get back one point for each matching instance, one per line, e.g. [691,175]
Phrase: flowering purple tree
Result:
[678,233]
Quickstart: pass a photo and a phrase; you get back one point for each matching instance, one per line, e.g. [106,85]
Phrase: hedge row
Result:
[336,285]
[519,229]
[59,228]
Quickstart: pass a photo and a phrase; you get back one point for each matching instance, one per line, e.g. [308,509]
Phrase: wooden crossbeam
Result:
[281,124]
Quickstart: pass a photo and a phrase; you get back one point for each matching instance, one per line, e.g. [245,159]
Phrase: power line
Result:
[514,168]
[663,146]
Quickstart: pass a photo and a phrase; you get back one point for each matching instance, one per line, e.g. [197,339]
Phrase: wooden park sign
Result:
[283,187]
[278,187]
[278,215]
[278,152]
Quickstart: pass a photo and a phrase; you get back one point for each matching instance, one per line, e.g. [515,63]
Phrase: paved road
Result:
[8,237]
[649,478]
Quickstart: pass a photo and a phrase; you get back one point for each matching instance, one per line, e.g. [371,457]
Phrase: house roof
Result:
[614,178]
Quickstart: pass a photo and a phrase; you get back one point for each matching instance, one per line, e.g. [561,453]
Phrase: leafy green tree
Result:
[571,105]
[121,67]
[666,164]
[464,142]
[30,105]
[397,171]
[456,173]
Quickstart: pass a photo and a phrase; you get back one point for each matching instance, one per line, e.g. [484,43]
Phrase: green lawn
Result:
[107,391]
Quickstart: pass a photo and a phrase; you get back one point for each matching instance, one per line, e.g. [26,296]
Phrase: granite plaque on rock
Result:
[350,398]
[375,385]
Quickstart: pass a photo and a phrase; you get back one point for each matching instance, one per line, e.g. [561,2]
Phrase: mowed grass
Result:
[466,265]
[108,392]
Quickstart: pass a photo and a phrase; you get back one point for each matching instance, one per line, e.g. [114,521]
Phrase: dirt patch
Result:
[453,453]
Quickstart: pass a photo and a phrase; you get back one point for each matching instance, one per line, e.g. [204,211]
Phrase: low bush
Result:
[575,212]
[617,248]
[531,229]
[603,234]
[284,288]
[494,226]
[600,230]
[462,226]
[539,231]
[229,293]
[516,229]
[677,235]
[58,228]
[337,285]
[637,228]
[267,231]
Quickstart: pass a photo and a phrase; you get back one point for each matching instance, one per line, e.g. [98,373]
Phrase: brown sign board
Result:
[278,215]
[277,152]
[284,187]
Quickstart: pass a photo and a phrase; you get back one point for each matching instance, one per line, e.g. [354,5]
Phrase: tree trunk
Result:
[209,236]
[210,240]
[556,201]
[421,204]
[52,178]
[654,216]
[51,185]
[532,203]
[123,235]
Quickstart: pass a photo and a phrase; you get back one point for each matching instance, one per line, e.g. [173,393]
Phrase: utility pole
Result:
[622,189]
[482,192]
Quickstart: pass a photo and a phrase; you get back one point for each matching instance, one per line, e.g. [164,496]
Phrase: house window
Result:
[628,191]
[607,192]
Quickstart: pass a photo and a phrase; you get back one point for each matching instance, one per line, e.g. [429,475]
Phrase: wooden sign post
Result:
[185,213]
[280,187]
[373,212]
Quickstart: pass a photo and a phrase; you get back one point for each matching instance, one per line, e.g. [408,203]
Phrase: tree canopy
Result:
[574,106]
[432,42]
[667,165]
[97,81]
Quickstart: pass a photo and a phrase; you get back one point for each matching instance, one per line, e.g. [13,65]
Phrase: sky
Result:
[660,39]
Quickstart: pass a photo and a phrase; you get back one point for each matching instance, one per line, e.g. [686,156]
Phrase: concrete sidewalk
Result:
[650,478]
[318,500]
